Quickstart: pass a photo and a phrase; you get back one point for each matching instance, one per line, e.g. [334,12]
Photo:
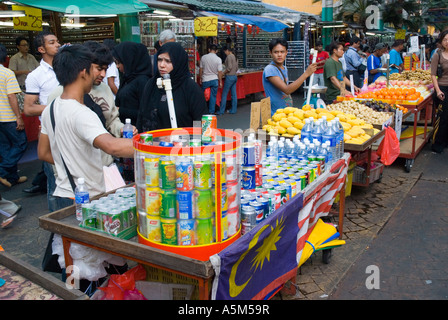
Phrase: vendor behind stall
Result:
[396,61]
[374,62]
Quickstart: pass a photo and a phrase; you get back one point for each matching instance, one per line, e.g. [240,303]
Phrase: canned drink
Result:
[258,152]
[248,155]
[142,223]
[250,197]
[293,185]
[282,191]
[184,175]
[202,174]
[185,204]
[102,216]
[316,166]
[223,172]
[165,144]
[258,175]
[248,178]
[153,228]
[259,210]
[278,198]
[168,229]
[265,203]
[186,232]
[233,222]
[152,200]
[288,189]
[88,215]
[125,210]
[114,223]
[195,143]
[224,203]
[204,231]
[232,195]
[203,204]
[248,219]
[168,208]
[209,124]
[232,171]
[167,173]
[224,226]
[271,202]
[311,173]
[146,138]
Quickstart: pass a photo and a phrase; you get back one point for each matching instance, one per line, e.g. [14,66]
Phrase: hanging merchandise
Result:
[389,148]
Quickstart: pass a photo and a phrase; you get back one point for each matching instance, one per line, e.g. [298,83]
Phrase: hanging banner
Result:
[206,26]
[32,20]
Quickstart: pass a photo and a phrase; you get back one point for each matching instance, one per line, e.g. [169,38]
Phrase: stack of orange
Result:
[392,94]
[404,109]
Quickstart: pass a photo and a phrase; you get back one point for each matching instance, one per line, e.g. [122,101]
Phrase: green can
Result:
[133,211]
[167,173]
[88,215]
[204,231]
[202,174]
[203,204]
[282,191]
[125,210]
[195,143]
[168,203]
[102,216]
[115,222]
[169,231]
[146,138]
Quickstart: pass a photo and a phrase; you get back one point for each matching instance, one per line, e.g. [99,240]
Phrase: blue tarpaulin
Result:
[264,23]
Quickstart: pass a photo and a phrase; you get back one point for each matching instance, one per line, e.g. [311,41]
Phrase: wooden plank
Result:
[265,106]
[255,115]
[41,278]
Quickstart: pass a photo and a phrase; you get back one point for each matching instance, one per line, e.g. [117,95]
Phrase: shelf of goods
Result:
[150,29]
[8,36]
[97,32]
[295,60]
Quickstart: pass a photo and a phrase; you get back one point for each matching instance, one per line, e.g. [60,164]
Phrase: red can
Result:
[258,175]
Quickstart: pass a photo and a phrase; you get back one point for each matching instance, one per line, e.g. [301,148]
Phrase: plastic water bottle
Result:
[281,149]
[81,196]
[329,157]
[306,130]
[317,131]
[302,154]
[273,149]
[312,156]
[331,137]
[341,136]
[128,130]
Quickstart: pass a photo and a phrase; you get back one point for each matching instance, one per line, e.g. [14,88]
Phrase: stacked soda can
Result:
[111,214]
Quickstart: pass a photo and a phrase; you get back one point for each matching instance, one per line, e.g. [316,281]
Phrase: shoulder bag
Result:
[288,98]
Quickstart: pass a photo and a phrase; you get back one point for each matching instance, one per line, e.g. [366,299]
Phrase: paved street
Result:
[398,225]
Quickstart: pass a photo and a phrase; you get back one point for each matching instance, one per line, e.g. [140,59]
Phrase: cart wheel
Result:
[408,165]
[326,255]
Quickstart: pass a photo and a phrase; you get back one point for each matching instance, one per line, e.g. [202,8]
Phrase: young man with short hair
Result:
[78,136]
[322,56]
[275,76]
[231,67]
[396,61]
[353,61]
[210,74]
[374,62]
[334,76]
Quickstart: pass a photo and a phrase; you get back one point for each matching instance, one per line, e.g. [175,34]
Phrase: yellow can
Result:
[152,201]
[153,228]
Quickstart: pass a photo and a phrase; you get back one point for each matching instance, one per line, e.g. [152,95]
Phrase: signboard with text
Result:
[206,26]
[32,20]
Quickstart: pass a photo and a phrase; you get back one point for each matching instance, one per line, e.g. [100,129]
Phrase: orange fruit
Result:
[380,96]
[401,97]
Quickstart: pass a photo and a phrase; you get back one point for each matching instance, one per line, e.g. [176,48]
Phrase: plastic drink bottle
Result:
[127,129]
[317,131]
[331,137]
[81,196]
[306,130]
[340,131]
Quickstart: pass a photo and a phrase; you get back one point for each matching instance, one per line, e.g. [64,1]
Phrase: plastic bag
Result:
[389,148]
[207,93]
[122,286]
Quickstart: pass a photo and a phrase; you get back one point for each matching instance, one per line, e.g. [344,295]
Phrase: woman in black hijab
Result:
[133,61]
[188,97]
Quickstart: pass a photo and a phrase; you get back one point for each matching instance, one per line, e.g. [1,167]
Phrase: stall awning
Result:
[88,7]
[264,23]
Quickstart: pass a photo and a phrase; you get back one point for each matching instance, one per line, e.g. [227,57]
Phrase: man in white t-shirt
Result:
[78,135]
[210,74]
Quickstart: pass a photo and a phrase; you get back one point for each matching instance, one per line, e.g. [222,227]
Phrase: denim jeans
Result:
[213,85]
[13,145]
[51,186]
[229,84]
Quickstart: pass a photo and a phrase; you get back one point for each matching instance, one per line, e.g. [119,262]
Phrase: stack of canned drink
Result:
[111,214]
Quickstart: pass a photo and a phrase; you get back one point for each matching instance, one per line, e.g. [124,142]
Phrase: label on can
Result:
[88,215]
[265,203]
[168,203]
[184,175]
[186,232]
[146,138]
[283,193]
[248,219]
[224,203]
[258,175]
[152,172]
[233,222]
[203,204]
[224,226]
[204,231]
[209,124]
[258,151]
[152,200]
[248,178]
[169,231]
[232,195]
[114,224]
[167,173]
[195,143]
[248,155]
[202,174]
[153,228]
[231,168]
[259,211]
[185,204]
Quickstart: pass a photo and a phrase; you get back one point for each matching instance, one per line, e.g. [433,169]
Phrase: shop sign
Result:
[206,26]
[32,20]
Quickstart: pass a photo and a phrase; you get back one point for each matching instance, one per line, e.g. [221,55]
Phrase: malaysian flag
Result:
[266,257]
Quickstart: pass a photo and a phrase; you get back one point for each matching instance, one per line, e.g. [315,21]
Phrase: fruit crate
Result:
[360,176]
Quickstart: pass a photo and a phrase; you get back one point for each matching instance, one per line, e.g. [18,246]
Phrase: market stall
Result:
[247,205]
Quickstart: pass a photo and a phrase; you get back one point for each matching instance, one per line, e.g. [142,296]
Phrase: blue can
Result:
[165,144]
[288,188]
[185,204]
[259,210]
[248,178]
[248,156]
[265,203]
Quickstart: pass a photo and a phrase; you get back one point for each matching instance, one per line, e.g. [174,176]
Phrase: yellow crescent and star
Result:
[264,252]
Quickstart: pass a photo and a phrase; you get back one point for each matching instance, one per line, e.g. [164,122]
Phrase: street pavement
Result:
[395,231]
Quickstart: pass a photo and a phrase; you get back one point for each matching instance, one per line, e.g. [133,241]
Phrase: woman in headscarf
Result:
[188,97]
[134,62]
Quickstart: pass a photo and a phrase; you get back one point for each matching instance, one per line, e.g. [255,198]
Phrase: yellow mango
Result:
[299,114]
[299,125]
[280,129]
[292,119]
[285,123]
[336,112]
[292,130]
[306,107]
[346,126]
[279,111]
[288,110]
[278,116]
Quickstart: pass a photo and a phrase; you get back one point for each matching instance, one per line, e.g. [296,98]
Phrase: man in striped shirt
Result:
[13,141]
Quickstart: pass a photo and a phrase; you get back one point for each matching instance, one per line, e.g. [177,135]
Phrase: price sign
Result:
[32,20]
[206,26]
